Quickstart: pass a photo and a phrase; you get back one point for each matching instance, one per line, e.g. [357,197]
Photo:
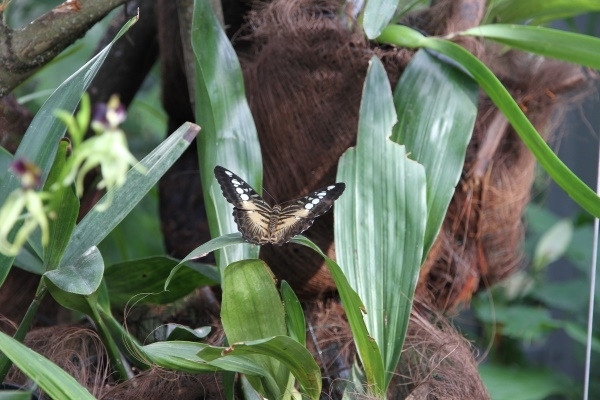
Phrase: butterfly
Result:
[259,223]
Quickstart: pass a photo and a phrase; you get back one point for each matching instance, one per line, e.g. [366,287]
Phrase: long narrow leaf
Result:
[49,376]
[367,348]
[96,225]
[380,223]
[567,46]
[558,171]
[229,137]
[539,11]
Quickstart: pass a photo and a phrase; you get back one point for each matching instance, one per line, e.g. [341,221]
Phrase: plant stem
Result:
[24,326]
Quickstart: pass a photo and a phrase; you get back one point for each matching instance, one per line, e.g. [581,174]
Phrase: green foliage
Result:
[516,313]
[384,227]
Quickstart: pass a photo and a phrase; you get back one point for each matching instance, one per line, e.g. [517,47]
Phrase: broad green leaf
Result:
[96,225]
[436,104]
[377,14]
[142,281]
[380,223]
[367,348]
[42,138]
[29,261]
[210,246]
[283,348]
[294,316]
[566,46]
[540,11]
[50,377]
[229,138]
[251,309]
[558,171]
[520,322]
[65,206]
[513,382]
[82,277]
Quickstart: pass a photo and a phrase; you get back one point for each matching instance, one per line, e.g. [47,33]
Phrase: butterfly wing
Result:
[299,216]
[250,212]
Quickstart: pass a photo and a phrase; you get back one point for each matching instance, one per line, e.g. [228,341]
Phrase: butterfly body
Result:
[259,223]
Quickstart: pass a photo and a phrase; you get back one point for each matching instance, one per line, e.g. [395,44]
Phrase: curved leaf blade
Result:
[558,171]
[283,348]
[83,277]
[567,46]
[96,225]
[367,348]
[49,376]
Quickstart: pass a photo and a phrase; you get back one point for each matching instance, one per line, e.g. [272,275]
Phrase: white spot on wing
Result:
[308,206]
[316,201]
[330,187]
[228,173]
[240,191]
[244,197]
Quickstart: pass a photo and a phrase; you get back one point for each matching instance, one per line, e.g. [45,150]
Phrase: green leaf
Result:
[367,348]
[21,394]
[377,14]
[509,383]
[567,46]
[294,316]
[251,309]
[82,277]
[50,377]
[553,244]
[128,280]
[40,142]
[65,207]
[230,137]
[520,322]
[558,171]
[540,11]
[283,348]
[5,161]
[96,225]
[380,223]
[182,356]
[436,104]
[180,332]
[201,251]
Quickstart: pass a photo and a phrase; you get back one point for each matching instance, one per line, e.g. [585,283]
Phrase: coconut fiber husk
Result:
[304,72]
[436,362]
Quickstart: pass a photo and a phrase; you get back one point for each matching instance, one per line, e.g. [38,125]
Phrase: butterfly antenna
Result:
[270,195]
